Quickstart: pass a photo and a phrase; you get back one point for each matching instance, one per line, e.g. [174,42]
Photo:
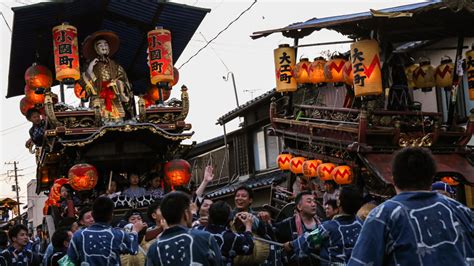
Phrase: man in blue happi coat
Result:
[178,244]
[17,254]
[417,226]
[100,244]
[230,243]
[335,238]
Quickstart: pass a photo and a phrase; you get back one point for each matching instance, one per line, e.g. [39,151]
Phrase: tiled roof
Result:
[237,111]
[263,180]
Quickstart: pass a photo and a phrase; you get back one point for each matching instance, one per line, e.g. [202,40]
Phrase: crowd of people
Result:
[418,226]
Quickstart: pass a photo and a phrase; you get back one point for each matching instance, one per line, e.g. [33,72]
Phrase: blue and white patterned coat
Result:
[100,244]
[417,228]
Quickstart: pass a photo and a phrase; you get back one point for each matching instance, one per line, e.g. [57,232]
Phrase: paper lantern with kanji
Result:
[177,172]
[32,96]
[296,165]
[38,76]
[450,181]
[325,170]
[83,177]
[66,53]
[154,94]
[284,57]
[409,70]
[175,77]
[283,161]
[470,72]
[365,61]
[342,175]
[301,71]
[423,76]
[79,91]
[316,71]
[160,56]
[347,73]
[25,105]
[444,73]
[333,69]
[310,168]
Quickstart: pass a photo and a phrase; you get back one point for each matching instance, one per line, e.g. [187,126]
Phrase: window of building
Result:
[265,149]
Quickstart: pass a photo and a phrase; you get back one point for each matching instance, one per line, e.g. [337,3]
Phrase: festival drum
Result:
[144,201]
[122,202]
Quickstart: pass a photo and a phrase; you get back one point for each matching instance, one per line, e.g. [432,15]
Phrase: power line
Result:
[19,125]
[222,61]
[6,22]
[220,32]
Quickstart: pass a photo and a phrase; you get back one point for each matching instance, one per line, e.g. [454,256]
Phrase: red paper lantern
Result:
[301,71]
[283,161]
[317,70]
[32,96]
[175,77]
[333,69]
[26,105]
[38,76]
[348,74]
[450,181]
[342,175]
[177,172]
[154,94]
[325,170]
[444,73]
[66,53]
[160,56]
[296,165]
[310,168]
[83,177]
[79,91]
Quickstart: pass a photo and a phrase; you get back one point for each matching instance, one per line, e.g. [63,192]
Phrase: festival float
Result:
[342,116]
[118,59]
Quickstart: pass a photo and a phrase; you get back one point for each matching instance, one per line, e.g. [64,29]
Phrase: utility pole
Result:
[17,188]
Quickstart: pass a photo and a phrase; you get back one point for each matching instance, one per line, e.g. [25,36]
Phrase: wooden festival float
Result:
[110,133]
[343,116]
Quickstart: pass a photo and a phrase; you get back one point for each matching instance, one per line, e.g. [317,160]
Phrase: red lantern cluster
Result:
[177,172]
[83,177]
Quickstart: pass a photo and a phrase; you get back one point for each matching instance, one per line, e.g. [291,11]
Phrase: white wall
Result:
[35,204]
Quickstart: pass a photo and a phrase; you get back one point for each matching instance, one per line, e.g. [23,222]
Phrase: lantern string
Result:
[219,33]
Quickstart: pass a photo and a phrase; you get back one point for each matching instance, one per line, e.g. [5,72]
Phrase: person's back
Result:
[416,227]
[100,244]
[421,228]
[179,245]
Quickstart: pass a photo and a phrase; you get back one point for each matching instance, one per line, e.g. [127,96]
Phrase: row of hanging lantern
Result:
[424,76]
[362,70]
[310,169]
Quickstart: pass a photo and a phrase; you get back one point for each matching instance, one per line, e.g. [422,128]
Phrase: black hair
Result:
[219,213]
[30,112]
[413,169]
[58,238]
[246,188]
[350,200]
[3,239]
[131,212]
[15,230]
[155,205]
[83,212]
[39,227]
[332,182]
[332,203]
[300,195]
[67,222]
[174,205]
[102,210]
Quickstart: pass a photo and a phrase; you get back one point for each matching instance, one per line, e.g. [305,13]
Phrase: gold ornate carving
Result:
[49,109]
[415,141]
[127,128]
[185,106]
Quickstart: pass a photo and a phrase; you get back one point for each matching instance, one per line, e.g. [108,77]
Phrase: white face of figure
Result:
[102,47]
